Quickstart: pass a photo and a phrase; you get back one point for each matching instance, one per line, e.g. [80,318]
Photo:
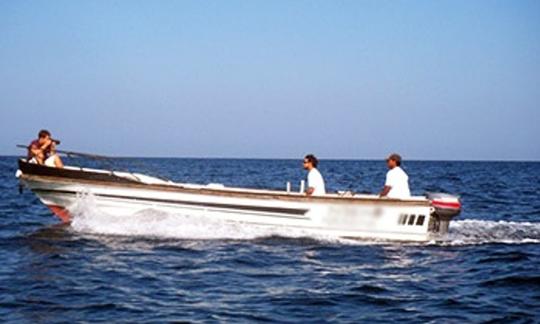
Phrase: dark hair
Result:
[395,157]
[312,159]
[43,133]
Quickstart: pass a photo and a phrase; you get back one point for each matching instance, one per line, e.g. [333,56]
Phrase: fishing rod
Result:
[72,153]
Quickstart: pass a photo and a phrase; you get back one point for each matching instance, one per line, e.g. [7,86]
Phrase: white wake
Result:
[466,232]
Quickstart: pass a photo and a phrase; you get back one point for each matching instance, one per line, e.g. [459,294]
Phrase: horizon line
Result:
[299,158]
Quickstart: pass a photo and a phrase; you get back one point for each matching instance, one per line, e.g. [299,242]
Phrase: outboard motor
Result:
[445,208]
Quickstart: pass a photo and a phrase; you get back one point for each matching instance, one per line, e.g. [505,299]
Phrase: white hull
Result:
[126,194]
[359,217]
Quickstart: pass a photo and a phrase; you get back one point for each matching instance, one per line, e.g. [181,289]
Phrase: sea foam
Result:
[87,218]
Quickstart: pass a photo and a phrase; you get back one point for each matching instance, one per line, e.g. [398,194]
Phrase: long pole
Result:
[68,153]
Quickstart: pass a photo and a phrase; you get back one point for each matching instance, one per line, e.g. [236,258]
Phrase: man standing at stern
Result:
[315,180]
[397,181]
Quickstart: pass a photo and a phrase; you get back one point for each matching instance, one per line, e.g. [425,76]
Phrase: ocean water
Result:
[162,267]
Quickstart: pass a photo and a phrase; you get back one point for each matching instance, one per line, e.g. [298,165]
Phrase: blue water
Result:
[159,267]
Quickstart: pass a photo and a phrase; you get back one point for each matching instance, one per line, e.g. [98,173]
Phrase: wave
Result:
[469,231]
[153,223]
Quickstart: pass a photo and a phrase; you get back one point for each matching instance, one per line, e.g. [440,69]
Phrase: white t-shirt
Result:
[315,181]
[399,181]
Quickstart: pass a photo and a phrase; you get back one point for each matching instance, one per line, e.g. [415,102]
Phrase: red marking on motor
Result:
[443,204]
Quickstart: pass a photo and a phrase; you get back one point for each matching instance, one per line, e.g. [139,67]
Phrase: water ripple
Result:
[166,268]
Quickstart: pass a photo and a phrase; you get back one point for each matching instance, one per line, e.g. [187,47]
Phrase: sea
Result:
[158,267]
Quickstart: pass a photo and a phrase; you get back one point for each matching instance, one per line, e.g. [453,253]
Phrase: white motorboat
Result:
[345,214]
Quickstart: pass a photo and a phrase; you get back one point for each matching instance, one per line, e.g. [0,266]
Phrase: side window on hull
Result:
[405,219]
[402,219]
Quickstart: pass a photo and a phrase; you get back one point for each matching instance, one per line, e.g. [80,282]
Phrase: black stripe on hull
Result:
[42,170]
[272,210]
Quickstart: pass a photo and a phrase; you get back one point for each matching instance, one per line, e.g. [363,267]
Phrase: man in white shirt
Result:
[315,179]
[397,181]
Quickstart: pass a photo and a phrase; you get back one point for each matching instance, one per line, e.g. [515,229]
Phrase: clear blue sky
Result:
[274,79]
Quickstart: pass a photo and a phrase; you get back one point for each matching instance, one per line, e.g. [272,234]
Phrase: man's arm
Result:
[387,184]
[309,191]
[34,150]
[46,145]
[37,153]
[385,191]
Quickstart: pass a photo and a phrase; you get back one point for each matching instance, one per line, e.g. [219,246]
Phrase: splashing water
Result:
[465,232]
[87,218]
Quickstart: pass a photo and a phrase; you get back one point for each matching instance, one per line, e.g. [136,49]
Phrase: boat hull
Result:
[358,219]
[345,215]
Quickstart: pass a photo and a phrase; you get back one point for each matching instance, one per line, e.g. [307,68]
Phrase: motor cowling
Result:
[445,207]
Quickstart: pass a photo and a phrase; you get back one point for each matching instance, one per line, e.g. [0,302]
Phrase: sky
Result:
[436,80]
